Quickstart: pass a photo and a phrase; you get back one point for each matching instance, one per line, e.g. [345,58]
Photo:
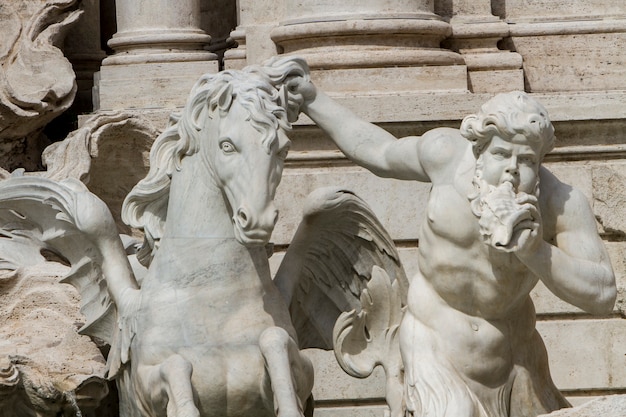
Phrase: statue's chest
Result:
[216,285]
[204,314]
[449,216]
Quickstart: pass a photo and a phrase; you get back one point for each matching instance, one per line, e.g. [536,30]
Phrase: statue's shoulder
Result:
[442,149]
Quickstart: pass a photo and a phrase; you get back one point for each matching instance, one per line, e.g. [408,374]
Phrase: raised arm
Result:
[576,266]
[364,143]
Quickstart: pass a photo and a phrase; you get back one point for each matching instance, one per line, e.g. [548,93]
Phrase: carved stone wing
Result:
[346,288]
[330,261]
[65,219]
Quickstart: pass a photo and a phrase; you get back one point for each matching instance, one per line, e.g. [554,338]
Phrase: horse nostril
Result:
[242,217]
[275,217]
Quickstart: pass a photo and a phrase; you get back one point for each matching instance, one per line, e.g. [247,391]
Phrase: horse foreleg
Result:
[291,374]
[169,387]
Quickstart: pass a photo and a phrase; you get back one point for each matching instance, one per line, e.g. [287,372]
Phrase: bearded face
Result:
[501,207]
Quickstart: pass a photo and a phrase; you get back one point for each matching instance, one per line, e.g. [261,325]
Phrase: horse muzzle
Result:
[254,230]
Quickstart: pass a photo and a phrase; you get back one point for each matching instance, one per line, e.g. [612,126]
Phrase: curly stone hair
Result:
[507,115]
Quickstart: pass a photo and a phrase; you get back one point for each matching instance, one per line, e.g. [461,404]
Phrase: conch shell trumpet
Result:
[500,215]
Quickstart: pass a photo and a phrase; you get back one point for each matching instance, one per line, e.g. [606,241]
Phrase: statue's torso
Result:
[468,274]
[469,302]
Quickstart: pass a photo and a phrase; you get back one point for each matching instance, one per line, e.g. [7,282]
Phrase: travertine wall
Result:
[409,66]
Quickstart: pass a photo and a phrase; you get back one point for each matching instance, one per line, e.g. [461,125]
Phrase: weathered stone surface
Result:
[45,364]
[355,410]
[109,153]
[609,183]
[560,9]
[387,198]
[609,406]
[585,354]
[37,82]
[334,384]
[573,63]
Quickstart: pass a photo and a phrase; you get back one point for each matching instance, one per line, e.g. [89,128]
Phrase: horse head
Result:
[235,122]
[245,149]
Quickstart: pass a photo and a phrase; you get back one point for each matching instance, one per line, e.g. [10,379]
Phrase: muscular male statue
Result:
[497,222]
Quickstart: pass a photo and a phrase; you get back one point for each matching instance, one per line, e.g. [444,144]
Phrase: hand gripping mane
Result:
[346,287]
[66,219]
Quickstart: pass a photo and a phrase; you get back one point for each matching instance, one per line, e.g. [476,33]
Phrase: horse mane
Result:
[256,88]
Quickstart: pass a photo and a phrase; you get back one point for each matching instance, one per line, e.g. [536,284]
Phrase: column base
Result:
[398,80]
[236,58]
[354,55]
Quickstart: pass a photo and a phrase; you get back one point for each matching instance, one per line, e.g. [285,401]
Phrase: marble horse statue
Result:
[204,330]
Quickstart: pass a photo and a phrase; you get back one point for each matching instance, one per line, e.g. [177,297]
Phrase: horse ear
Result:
[225,97]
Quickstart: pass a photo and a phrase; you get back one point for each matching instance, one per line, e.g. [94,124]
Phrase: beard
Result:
[501,218]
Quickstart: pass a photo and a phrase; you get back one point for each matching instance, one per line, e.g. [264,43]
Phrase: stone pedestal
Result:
[159,52]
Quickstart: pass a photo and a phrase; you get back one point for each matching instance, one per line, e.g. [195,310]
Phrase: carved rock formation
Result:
[109,153]
[37,82]
[46,368]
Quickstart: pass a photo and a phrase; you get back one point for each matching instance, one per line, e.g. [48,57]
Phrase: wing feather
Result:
[329,263]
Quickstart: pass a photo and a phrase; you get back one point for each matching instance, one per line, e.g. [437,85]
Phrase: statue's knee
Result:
[274,337]
[177,365]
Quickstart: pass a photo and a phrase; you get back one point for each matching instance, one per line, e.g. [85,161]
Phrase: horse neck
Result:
[196,208]
[199,222]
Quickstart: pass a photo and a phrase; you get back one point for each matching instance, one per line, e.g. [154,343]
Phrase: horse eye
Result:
[227,147]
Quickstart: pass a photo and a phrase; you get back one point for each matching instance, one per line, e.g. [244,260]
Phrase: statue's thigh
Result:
[533,385]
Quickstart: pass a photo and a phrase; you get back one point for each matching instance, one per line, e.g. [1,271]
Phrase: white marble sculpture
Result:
[497,222]
[205,331]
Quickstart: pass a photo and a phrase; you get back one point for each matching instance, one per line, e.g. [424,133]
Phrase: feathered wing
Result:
[330,260]
[64,218]
[346,287]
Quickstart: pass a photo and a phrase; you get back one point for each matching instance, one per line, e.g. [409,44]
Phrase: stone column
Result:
[236,58]
[475,35]
[355,45]
[159,46]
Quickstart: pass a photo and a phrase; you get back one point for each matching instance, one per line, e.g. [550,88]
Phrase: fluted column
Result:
[475,35]
[158,46]
[351,40]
